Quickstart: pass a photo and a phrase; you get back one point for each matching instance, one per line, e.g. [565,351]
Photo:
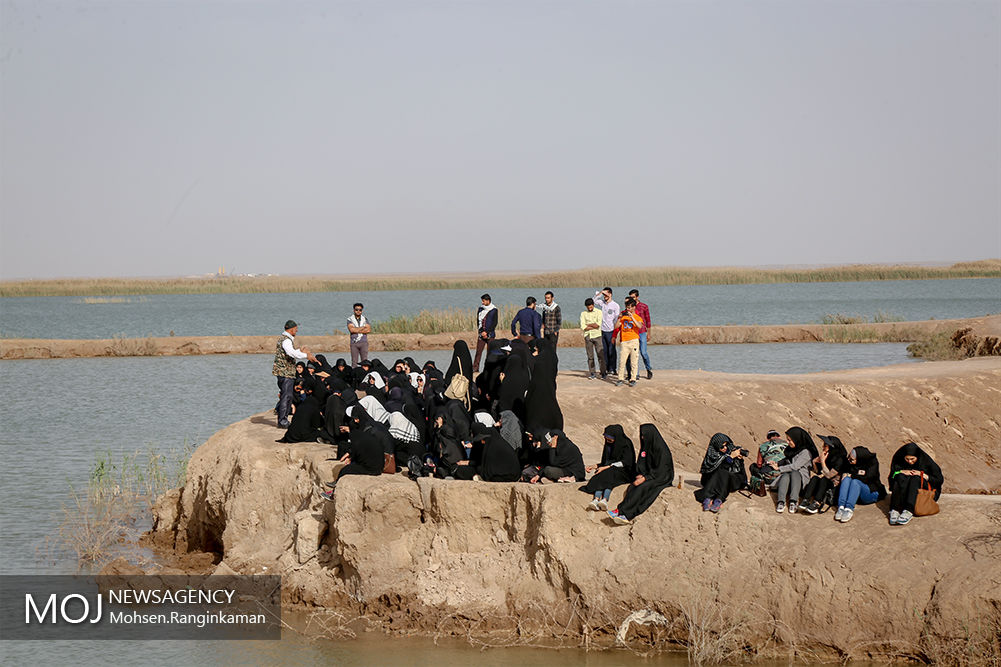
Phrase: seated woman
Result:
[824,473]
[307,420]
[911,467]
[559,457]
[795,472]
[655,472]
[617,467]
[722,472]
[860,484]
[448,450]
[365,455]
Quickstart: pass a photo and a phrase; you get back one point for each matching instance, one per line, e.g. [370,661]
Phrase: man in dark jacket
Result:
[486,328]
[527,324]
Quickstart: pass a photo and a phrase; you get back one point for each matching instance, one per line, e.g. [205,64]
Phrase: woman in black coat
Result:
[860,484]
[655,472]
[617,467]
[722,472]
[910,468]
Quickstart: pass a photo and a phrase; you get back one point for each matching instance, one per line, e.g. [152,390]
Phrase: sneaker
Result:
[283,424]
[594,506]
[847,516]
[706,504]
[331,484]
[323,440]
[612,513]
[619,383]
[780,507]
[477,478]
[327,495]
[604,376]
[633,383]
[905,518]
[591,376]
[894,516]
[715,507]
[621,520]
[793,507]
[840,514]
[649,374]
[603,505]
[812,508]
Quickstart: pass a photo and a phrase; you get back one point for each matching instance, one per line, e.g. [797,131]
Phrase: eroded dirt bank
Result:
[38,348]
[509,559]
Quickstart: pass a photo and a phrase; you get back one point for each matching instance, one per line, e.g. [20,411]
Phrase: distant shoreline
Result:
[639,277]
[387,344]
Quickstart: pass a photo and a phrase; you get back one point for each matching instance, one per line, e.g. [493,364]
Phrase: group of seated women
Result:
[507,426]
[807,478]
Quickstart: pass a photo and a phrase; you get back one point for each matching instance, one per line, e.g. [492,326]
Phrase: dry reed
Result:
[988,268]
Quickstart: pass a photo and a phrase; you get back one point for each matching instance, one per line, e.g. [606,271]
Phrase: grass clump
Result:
[122,346]
[591,277]
[104,520]
[842,318]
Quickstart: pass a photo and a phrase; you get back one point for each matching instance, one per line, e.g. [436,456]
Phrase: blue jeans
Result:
[852,491]
[646,357]
[285,388]
[611,358]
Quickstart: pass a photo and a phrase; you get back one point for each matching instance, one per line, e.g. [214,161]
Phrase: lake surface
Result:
[326,312]
[60,415]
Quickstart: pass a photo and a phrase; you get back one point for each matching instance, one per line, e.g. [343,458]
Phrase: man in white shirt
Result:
[286,356]
[358,330]
[609,316]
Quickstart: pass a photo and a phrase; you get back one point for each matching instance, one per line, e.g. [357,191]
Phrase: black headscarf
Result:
[306,422]
[720,446]
[620,449]
[460,358]
[324,366]
[866,470]
[837,455]
[925,464]
[800,439]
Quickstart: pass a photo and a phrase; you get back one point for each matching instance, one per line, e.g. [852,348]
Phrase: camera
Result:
[744,452]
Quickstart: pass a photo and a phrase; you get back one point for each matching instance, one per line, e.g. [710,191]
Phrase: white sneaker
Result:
[905,518]
[894,515]
[780,507]
[593,505]
[603,505]
[840,514]
[847,516]
[793,507]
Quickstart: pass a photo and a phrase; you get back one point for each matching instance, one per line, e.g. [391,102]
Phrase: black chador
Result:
[618,457]
[656,465]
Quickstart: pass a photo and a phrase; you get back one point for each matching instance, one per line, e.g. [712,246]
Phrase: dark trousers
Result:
[611,359]
[481,344]
[553,338]
[904,492]
[285,389]
[816,488]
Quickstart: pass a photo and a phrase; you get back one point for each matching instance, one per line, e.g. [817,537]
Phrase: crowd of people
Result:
[504,424]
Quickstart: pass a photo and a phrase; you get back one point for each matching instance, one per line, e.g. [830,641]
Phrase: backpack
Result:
[458,387]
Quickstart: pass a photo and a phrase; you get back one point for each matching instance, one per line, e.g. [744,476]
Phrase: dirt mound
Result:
[513,560]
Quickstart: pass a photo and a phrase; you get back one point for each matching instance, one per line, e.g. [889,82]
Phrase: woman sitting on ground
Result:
[911,467]
[722,472]
[824,474]
[860,484]
[795,472]
[558,458]
[617,467]
[655,472]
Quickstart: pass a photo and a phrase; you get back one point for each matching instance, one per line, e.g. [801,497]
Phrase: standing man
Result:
[529,322]
[643,311]
[628,330]
[609,316]
[552,319]
[590,324]
[486,328]
[284,369]
[358,330]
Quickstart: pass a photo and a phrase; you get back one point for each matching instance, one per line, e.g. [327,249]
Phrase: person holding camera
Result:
[722,472]
[794,473]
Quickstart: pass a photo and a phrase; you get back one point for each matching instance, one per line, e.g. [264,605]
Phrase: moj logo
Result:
[73,608]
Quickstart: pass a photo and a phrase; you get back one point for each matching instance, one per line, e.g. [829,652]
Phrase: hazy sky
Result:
[169,138]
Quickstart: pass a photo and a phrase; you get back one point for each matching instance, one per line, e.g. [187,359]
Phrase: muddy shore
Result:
[498,560]
[38,348]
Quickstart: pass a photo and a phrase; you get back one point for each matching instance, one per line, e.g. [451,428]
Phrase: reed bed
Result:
[440,321]
[618,277]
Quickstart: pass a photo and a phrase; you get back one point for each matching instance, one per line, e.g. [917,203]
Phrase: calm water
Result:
[59,415]
[326,312]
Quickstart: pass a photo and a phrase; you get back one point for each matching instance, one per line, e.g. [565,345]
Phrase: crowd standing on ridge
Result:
[504,423]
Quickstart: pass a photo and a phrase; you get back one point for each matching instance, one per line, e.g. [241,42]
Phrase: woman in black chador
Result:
[722,472]
[542,410]
[911,467]
[617,467]
[498,462]
[513,387]
[654,473]
[307,420]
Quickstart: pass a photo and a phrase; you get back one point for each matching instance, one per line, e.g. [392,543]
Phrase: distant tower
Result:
[222,271]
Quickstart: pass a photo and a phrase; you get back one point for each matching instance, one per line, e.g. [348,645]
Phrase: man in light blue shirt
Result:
[609,316]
